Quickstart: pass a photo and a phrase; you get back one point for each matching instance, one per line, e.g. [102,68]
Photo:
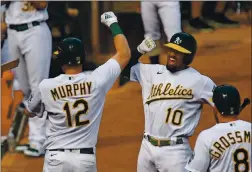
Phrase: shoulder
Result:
[45,83]
[206,82]
[207,134]
[206,78]
[246,124]
[151,67]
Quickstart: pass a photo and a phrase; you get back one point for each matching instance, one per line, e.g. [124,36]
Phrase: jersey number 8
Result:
[78,114]
[240,158]
[174,117]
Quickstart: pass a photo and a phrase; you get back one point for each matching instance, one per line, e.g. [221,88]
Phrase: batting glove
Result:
[108,18]
[146,46]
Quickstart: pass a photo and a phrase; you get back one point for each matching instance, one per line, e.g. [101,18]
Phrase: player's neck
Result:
[72,70]
[177,69]
[224,119]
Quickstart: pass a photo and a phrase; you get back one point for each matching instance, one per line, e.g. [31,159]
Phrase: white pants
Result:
[169,13]
[4,59]
[34,48]
[56,161]
[164,159]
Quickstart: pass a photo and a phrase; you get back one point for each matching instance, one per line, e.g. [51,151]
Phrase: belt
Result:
[163,142]
[81,151]
[23,27]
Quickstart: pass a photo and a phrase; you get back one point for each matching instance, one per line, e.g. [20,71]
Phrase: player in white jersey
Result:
[4,45]
[225,147]
[74,102]
[29,39]
[168,12]
[173,96]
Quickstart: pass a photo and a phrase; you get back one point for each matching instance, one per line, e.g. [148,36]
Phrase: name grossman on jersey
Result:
[166,91]
[70,90]
[224,142]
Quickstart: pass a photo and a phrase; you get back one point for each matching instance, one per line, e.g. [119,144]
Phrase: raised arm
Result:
[123,53]
[147,45]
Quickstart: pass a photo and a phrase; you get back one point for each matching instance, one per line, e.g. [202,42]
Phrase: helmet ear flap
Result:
[188,59]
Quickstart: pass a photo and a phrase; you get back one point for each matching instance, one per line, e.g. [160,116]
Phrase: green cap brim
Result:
[178,48]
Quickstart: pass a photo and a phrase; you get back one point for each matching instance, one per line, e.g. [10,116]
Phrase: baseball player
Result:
[173,95]
[29,38]
[225,147]
[4,45]
[74,102]
[169,13]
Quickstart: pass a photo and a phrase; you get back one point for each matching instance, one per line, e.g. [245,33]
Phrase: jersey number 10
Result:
[76,119]
[174,117]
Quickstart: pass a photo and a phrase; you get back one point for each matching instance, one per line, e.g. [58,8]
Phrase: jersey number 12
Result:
[76,119]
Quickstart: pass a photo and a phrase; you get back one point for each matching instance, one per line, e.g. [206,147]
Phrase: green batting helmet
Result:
[184,43]
[70,51]
[227,99]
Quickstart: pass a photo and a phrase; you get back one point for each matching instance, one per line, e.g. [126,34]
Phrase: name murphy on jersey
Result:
[71,90]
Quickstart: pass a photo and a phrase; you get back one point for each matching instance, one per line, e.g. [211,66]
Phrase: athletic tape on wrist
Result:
[115,29]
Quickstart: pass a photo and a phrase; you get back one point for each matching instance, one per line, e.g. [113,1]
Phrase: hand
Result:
[146,46]
[108,18]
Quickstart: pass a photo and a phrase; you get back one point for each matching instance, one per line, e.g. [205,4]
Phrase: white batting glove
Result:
[146,46]
[108,18]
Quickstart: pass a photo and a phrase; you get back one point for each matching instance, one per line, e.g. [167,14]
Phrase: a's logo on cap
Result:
[178,41]
[107,16]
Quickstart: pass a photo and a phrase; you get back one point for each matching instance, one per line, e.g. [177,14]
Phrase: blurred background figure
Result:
[8,76]
[66,20]
[215,14]
[29,38]
[4,44]
[196,21]
[169,14]
[206,16]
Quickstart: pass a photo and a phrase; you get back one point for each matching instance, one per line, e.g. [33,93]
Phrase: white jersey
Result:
[172,101]
[21,12]
[74,104]
[226,147]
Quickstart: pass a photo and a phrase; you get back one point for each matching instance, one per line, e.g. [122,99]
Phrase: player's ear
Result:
[215,112]
[63,67]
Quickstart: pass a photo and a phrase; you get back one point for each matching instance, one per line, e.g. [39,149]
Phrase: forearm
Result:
[39,5]
[123,54]
[120,41]
[28,114]
[135,55]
